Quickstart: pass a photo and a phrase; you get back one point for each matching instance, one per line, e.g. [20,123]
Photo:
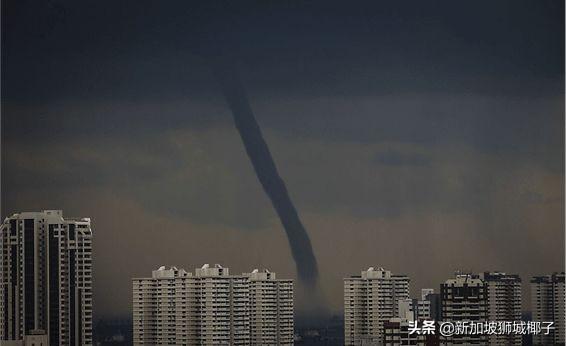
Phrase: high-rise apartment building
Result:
[503,304]
[547,300]
[426,307]
[155,307]
[370,300]
[224,306]
[464,298]
[396,332]
[271,309]
[435,306]
[212,307]
[46,278]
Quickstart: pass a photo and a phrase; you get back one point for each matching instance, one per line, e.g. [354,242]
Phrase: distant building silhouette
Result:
[547,300]
[504,301]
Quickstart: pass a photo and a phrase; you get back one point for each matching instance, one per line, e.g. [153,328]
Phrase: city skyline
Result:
[46,287]
[422,138]
[488,275]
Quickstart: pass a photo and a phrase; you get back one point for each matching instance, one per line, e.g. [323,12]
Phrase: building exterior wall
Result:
[46,277]
[464,299]
[212,307]
[144,309]
[370,300]
[423,310]
[547,300]
[271,309]
[396,332]
[504,303]
[187,310]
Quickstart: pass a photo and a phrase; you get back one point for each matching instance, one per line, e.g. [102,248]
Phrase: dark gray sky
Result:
[423,137]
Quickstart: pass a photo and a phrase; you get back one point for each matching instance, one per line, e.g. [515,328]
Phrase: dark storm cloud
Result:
[196,176]
[101,50]
[467,74]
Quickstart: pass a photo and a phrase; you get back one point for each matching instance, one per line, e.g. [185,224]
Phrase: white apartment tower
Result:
[154,307]
[271,309]
[370,300]
[547,300]
[224,307]
[46,278]
[212,307]
[464,298]
[503,303]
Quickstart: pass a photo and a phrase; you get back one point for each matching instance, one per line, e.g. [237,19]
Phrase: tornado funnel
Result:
[266,171]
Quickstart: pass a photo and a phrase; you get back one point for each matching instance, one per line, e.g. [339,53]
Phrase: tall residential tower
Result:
[271,309]
[46,278]
[370,300]
[547,299]
[503,303]
[464,298]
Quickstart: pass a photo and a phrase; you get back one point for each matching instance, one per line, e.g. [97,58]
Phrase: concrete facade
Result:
[212,307]
[370,300]
[46,278]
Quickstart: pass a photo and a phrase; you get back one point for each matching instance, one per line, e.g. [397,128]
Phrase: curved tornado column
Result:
[266,172]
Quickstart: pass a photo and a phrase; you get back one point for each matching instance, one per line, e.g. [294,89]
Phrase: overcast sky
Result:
[422,137]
